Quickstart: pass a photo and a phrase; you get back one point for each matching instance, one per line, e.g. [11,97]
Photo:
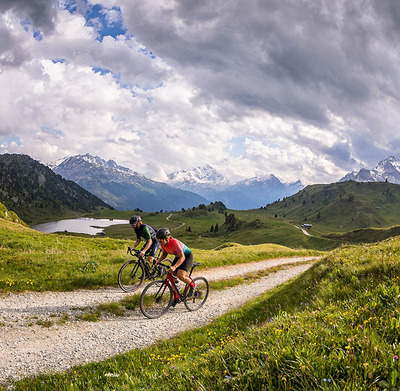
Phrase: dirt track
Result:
[28,348]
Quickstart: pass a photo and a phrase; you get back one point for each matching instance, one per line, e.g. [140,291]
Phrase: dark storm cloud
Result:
[41,13]
[11,52]
[291,58]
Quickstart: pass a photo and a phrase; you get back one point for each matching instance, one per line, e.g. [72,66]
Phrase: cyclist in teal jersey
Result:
[149,234]
[183,256]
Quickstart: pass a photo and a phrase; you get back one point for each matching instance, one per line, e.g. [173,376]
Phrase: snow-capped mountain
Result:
[121,187]
[125,189]
[248,194]
[198,179]
[386,170]
[111,169]
[205,175]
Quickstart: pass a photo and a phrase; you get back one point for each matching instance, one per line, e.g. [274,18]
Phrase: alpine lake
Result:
[82,225]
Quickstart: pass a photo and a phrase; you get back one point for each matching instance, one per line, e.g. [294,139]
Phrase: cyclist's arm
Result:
[162,256]
[147,236]
[136,243]
[146,246]
[181,259]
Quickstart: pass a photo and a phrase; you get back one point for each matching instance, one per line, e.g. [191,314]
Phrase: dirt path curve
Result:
[28,348]
[179,226]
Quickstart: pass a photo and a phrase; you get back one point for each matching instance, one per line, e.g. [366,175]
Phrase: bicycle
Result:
[159,295]
[133,273]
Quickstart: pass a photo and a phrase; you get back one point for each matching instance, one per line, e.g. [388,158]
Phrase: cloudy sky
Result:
[302,89]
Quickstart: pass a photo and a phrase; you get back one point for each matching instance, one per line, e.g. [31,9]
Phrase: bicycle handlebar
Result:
[133,252]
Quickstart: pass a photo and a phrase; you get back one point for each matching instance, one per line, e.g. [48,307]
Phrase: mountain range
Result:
[86,183]
[387,170]
[121,187]
[125,189]
[247,194]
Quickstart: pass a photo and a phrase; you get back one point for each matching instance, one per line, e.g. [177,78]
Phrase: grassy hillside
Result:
[251,227]
[342,207]
[37,194]
[366,235]
[31,260]
[336,327]
[193,228]
[9,215]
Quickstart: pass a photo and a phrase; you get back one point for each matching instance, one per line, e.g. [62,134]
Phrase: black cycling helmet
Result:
[162,233]
[134,220]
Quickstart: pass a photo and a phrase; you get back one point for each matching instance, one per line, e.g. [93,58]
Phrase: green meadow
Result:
[194,228]
[31,260]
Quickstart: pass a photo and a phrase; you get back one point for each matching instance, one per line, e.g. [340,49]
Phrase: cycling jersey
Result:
[175,246]
[146,232]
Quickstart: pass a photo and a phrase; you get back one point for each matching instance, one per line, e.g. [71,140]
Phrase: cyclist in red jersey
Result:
[183,256]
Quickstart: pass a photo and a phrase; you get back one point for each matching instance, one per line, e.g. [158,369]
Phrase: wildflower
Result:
[396,357]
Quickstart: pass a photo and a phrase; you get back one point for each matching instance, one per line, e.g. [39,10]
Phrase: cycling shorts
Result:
[152,251]
[186,264]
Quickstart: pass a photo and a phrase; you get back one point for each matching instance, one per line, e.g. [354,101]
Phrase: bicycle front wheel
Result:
[155,299]
[131,276]
[200,294]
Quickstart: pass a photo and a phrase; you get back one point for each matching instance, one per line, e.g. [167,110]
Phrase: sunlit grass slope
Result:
[31,260]
[342,207]
[336,327]
[9,215]
[193,228]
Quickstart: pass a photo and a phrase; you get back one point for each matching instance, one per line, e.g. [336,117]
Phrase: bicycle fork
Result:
[160,293]
[134,270]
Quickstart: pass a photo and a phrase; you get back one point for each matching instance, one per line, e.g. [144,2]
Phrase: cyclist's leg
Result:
[183,276]
[152,251]
[182,271]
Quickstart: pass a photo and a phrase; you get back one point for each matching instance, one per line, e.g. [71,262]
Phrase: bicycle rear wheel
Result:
[155,299]
[131,276]
[200,294]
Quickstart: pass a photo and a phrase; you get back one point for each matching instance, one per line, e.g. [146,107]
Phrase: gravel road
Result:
[28,348]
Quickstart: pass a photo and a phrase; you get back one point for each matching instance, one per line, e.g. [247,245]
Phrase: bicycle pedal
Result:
[175,302]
